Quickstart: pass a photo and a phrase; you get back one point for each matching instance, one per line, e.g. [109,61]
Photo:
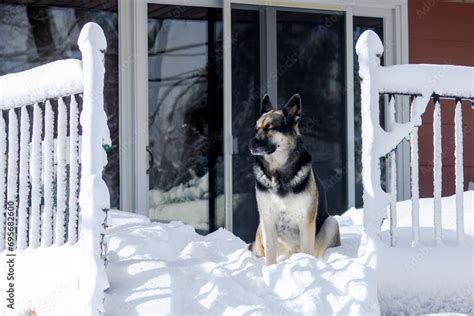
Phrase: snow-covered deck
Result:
[169,269]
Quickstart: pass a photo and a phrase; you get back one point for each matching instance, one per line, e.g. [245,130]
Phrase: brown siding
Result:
[443,33]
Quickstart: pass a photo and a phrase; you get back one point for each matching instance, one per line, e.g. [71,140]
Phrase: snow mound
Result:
[170,269]
[49,287]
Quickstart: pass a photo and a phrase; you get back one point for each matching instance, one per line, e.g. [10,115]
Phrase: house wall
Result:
[442,32]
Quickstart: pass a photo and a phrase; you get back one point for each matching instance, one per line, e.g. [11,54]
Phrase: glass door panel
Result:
[246,95]
[311,54]
[185,115]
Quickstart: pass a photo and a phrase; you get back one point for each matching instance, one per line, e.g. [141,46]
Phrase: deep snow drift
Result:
[169,269]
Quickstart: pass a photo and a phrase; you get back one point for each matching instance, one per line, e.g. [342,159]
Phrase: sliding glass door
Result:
[276,50]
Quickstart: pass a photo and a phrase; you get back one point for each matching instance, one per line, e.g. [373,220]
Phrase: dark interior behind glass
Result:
[246,93]
[311,61]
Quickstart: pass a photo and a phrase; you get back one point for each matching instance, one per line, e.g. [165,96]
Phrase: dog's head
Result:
[276,130]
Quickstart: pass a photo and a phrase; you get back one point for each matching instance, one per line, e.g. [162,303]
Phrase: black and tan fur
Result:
[291,198]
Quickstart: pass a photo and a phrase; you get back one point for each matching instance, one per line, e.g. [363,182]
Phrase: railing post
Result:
[369,48]
[94,195]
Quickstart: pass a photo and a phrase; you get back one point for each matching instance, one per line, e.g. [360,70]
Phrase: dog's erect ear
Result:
[266,104]
[292,110]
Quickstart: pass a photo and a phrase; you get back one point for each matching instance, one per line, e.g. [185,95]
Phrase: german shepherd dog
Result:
[291,198]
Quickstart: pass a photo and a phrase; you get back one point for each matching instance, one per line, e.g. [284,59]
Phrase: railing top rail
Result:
[424,79]
[434,95]
[53,80]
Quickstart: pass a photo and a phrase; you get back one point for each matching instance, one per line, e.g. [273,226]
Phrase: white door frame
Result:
[133,82]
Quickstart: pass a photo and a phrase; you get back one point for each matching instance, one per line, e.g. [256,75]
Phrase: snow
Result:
[157,268]
[59,78]
[73,171]
[48,163]
[24,187]
[94,195]
[12,173]
[170,269]
[426,278]
[35,171]
[61,182]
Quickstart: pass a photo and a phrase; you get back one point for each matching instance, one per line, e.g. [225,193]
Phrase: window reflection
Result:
[185,115]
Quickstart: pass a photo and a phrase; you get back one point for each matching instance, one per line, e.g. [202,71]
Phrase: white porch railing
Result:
[421,82]
[51,161]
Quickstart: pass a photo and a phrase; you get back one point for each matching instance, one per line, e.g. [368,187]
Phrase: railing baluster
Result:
[458,137]
[24,185]
[392,172]
[437,170]
[35,171]
[73,171]
[415,193]
[48,154]
[61,183]
[12,172]
[3,149]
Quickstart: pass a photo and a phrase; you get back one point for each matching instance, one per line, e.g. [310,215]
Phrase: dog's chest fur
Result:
[288,200]
[286,212]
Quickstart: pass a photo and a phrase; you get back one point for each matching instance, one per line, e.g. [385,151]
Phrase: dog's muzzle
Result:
[260,148]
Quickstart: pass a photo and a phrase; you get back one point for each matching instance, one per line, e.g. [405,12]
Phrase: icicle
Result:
[73,171]
[35,171]
[437,166]
[61,183]
[3,149]
[458,137]
[392,185]
[24,185]
[48,156]
[12,176]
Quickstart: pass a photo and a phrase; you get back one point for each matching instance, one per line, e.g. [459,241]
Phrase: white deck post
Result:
[94,195]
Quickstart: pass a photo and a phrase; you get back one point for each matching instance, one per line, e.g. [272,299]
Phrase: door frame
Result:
[133,86]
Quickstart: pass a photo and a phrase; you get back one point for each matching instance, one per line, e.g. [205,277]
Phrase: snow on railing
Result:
[421,82]
[51,173]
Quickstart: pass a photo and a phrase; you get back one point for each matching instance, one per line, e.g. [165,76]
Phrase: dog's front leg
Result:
[307,235]
[269,239]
